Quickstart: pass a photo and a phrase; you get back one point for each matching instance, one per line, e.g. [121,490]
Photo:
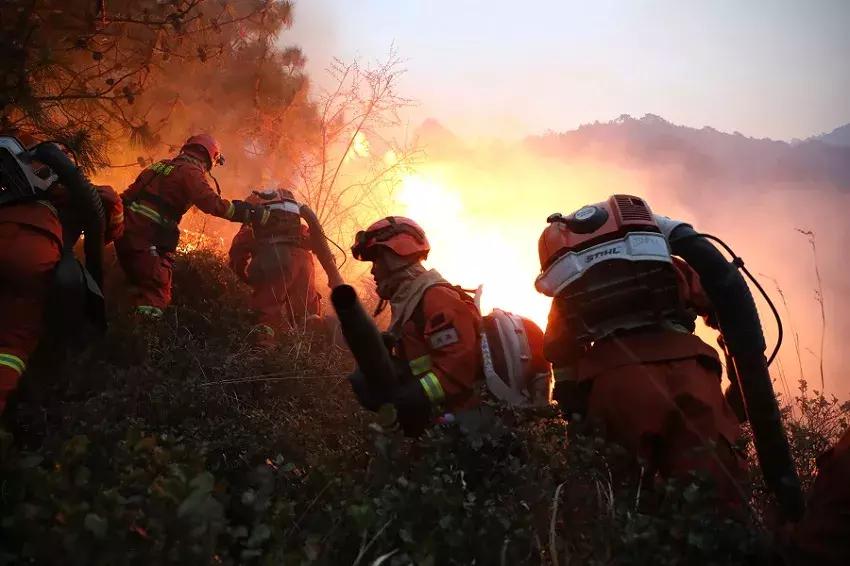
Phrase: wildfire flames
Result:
[484,208]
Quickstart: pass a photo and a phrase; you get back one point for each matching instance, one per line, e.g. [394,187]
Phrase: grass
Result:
[177,443]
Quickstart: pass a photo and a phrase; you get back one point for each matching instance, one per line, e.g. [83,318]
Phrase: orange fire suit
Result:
[284,290]
[31,243]
[155,203]
[823,535]
[655,391]
[441,346]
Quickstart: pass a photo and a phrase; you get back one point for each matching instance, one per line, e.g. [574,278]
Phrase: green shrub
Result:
[176,442]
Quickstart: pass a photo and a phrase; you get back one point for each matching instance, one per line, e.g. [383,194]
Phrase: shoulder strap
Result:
[418,316]
[164,207]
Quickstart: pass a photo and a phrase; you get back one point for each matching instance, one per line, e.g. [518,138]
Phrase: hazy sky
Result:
[777,69]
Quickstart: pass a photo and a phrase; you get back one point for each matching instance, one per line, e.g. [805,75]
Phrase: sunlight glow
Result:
[472,249]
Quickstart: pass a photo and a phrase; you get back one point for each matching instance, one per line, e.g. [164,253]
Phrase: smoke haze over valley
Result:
[484,204]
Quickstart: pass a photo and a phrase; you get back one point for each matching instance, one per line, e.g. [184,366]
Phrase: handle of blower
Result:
[363,338]
[319,244]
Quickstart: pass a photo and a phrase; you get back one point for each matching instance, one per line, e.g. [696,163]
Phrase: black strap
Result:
[165,209]
[418,315]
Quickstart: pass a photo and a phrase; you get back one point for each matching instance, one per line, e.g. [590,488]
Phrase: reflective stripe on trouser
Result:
[263,329]
[431,384]
[13,362]
[11,368]
[28,256]
[388,417]
[149,311]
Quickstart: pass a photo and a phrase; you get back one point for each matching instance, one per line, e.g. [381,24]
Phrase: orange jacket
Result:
[165,191]
[41,215]
[441,344]
[44,215]
[578,362]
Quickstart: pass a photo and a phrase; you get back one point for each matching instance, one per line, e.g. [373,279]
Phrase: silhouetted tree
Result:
[96,73]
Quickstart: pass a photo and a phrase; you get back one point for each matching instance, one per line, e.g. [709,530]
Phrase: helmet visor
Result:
[361,245]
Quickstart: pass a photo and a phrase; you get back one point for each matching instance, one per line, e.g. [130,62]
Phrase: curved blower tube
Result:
[84,200]
[319,243]
[363,338]
[741,329]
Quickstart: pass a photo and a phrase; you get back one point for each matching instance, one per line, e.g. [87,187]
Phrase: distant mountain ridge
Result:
[839,136]
[704,155]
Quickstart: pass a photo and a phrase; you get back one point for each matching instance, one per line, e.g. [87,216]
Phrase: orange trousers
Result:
[27,258]
[287,302]
[672,415]
[148,274]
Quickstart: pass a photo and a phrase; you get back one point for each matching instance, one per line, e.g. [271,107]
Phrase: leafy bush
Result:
[176,442]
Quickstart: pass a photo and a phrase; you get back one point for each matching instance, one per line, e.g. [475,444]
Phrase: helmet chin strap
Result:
[217,186]
[381,307]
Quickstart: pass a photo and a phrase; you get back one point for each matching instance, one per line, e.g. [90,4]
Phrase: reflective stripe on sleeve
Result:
[13,362]
[420,365]
[231,210]
[432,387]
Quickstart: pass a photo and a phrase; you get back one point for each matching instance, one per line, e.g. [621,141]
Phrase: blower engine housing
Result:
[20,181]
[609,268]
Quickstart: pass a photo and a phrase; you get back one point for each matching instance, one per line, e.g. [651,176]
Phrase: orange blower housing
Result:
[609,267]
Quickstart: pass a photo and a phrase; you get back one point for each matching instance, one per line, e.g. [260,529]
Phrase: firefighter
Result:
[37,265]
[433,333]
[154,205]
[276,261]
[626,361]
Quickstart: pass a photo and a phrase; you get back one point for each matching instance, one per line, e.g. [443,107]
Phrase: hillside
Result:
[838,137]
[706,156]
[176,443]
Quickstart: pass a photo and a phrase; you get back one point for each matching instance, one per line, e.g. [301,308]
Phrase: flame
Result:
[193,240]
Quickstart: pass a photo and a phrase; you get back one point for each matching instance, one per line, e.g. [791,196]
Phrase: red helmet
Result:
[270,196]
[401,235]
[209,144]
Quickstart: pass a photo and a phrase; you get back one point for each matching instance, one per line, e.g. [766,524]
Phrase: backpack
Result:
[515,369]
[18,181]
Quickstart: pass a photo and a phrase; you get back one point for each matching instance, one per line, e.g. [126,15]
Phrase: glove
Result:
[247,213]
[390,340]
[369,399]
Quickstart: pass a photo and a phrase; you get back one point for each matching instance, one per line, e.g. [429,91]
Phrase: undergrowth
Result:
[175,442]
